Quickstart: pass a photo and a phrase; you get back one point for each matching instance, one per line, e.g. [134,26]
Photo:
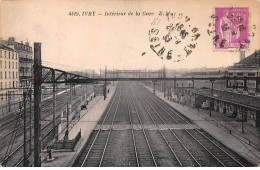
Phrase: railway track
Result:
[224,158]
[99,141]
[221,157]
[177,161]
[45,113]
[138,129]
[17,152]
[146,155]
[46,108]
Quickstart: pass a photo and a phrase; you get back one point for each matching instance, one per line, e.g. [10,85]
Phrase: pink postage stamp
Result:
[231,28]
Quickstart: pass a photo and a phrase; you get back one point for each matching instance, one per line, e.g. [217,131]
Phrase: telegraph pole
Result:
[154,86]
[93,78]
[53,104]
[210,108]
[105,85]
[212,86]
[164,86]
[30,120]
[257,83]
[9,101]
[25,161]
[113,75]
[243,120]
[68,113]
[37,104]
[66,137]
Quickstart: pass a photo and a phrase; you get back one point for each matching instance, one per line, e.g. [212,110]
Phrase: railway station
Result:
[129,83]
[129,118]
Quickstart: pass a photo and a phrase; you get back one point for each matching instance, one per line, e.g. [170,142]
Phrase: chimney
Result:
[242,55]
[21,42]
[11,40]
[257,55]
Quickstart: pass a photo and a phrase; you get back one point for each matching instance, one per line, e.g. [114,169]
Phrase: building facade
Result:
[9,74]
[25,61]
[247,67]
[238,106]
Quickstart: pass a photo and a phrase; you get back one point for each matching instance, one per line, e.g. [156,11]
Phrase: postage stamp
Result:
[231,28]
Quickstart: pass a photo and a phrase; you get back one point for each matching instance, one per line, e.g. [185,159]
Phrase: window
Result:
[16,56]
[16,74]
[5,54]
[9,74]
[12,55]
[1,53]
[0,64]
[10,85]
[9,64]
[1,85]
[5,64]
[5,75]
[239,74]
[16,65]
[251,74]
[5,84]
[9,54]
[13,74]
[1,75]
[12,64]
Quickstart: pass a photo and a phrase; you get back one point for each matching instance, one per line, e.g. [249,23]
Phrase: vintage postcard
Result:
[129,83]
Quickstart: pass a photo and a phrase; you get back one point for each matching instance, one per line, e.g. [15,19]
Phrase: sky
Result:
[121,42]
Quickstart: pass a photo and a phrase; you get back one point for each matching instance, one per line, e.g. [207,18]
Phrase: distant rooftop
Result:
[235,98]
[251,60]
[5,47]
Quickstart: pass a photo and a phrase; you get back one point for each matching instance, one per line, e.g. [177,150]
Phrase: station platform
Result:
[217,126]
[87,123]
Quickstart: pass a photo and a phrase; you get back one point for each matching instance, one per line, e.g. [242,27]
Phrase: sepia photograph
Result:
[129,83]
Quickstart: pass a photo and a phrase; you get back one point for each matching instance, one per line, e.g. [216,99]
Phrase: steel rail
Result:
[220,148]
[211,142]
[44,110]
[160,107]
[85,159]
[43,128]
[180,116]
[110,130]
[174,154]
[144,132]
[205,148]
[174,134]
[61,104]
[132,131]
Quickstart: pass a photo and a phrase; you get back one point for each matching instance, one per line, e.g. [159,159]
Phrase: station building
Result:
[248,67]
[9,73]
[241,104]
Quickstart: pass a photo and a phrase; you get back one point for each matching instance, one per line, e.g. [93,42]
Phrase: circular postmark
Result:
[172,36]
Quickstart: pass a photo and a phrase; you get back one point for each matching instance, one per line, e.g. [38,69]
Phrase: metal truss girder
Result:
[46,75]
[56,79]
